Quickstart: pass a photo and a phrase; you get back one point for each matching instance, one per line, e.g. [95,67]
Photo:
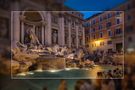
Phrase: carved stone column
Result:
[61,32]
[43,32]
[83,36]
[69,35]
[77,39]
[15,23]
[48,29]
[15,27]
[22,28]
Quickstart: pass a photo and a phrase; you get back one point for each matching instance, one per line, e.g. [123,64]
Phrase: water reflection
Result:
[68,72]
[30,73]
[93,71]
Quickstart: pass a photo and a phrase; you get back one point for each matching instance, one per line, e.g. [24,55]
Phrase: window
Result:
[100,18]
[117,13]
[87,24]
[100,27]
[87,38]
[109,33]
[130,39]
[118,21]
[109,42]
[66,39]
[129,28]
[86,31]
[118,31]
[101,34]
[109,24]
[66,21]
[128,7]
[110,50]
[94,22]
[93,30]
[89,31]
[105,17]
[94,37]
[109,15]
[73,24]
[128,17]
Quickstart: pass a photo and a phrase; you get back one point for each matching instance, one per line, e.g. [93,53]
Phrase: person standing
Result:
[63,85]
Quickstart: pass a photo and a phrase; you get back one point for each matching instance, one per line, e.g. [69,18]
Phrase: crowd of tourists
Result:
[115,73]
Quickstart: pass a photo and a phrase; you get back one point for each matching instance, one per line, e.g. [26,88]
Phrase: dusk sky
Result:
[94,6]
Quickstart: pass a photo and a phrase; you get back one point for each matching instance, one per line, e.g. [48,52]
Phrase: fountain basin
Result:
[51,63]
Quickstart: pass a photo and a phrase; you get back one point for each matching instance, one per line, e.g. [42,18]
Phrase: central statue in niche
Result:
[55,37]
[30,37]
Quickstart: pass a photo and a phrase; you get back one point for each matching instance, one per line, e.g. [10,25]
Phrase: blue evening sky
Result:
[94,6]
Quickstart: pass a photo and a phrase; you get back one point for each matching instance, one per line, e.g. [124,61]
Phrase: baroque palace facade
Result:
[63,28]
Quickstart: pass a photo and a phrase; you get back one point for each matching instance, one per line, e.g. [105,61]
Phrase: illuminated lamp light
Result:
[39,70]
[68,69]
[53,71]
[22,74]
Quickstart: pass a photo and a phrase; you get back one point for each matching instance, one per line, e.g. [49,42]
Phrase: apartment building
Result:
[106,31]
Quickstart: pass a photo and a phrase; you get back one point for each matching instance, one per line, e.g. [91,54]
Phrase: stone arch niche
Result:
[32,21]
